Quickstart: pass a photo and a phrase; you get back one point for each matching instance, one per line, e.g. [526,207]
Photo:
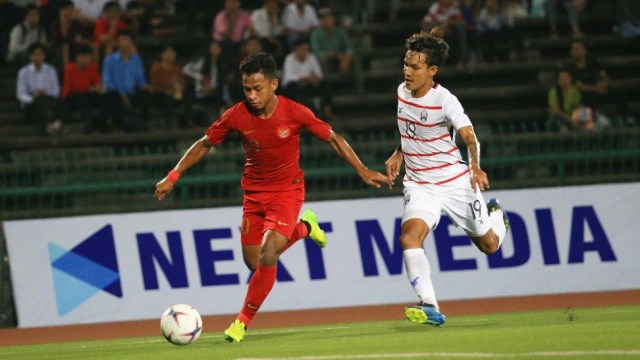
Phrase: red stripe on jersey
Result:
[445,136]
[440,182]
[419,106]
[431,168]
[420,124]
[432,154]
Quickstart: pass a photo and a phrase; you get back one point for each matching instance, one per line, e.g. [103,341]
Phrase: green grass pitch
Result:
[591,333]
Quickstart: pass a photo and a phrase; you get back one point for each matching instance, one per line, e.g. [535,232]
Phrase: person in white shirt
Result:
[38,90]
[268,27]
[303,80]
[299,19]
[25,34]
[437,179]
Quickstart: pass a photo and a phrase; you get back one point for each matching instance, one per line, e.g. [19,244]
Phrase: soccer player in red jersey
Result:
[273,181]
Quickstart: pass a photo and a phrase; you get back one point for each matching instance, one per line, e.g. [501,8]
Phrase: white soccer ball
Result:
[181,324]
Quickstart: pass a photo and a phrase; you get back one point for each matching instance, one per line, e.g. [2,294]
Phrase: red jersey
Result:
[102,28]
[271,146]
[77,80]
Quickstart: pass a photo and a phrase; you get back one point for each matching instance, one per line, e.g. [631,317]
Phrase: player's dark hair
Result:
[431,44]
[261,62]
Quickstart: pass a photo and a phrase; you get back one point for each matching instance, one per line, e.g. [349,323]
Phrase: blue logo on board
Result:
[85,270]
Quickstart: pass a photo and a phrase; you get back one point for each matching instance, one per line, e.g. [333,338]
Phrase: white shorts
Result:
[466,208]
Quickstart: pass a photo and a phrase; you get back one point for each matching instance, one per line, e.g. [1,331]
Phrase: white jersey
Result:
[428,126]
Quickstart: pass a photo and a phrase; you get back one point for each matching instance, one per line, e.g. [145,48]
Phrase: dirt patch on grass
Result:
[323,316]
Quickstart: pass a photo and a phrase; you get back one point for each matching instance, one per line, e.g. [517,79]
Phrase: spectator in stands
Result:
[124,79]
[10,15]
[38,90]
[230,26]
[573,8]
[134,16]
[299,19]
[208,75]
[159,17]
[90,10]
[25,34]
[303,80]
[331,44]
[447,14]
[167,85]
[494,32]
[67,32]
[82,88]
[563,99]
[108,28]
[470,10]
[628,18]
[592,80]
[268,27]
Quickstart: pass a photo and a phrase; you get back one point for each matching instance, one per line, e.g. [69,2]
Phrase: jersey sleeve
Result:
[219,130]
[317,127]
[454,113]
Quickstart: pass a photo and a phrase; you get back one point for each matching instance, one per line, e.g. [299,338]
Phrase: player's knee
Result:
[489,246]
[252,265]
[408,241]
[268,255]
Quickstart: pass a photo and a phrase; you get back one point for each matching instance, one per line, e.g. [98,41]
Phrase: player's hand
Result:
[374,178]
[479,179]
[393,165]
[163,188]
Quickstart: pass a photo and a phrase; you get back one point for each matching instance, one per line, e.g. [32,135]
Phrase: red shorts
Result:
[270,210]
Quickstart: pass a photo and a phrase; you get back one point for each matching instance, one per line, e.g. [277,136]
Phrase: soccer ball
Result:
[181,324]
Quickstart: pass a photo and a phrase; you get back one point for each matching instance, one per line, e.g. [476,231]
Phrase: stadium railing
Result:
[80,181]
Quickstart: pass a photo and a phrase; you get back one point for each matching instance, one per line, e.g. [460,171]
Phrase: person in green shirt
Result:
[331,44]
[563,99]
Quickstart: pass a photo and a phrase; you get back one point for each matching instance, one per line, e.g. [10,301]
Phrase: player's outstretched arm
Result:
[344,150]
[393,165]
[479,179]
[190,158]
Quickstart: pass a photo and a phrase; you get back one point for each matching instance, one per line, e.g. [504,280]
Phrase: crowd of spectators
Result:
[88,49]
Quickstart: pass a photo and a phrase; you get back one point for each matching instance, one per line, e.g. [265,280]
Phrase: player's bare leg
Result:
[251,256]
[412,236]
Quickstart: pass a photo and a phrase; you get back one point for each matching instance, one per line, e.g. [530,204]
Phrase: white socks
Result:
[497,224]
[419,274]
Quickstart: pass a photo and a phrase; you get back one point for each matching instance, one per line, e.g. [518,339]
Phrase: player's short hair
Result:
[261,62]
[431,44]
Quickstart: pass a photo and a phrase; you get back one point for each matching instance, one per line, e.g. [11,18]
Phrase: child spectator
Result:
[82,88]
[303,80]
[167,85]
[126,86]
[25,34]
[108,28]
[38,90]
[563,99]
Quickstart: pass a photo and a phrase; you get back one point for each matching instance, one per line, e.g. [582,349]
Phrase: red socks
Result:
[299,232]
[259,287]
[263,279]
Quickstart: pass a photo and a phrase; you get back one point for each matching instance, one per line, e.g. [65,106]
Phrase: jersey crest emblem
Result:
[283,132]
[423,116]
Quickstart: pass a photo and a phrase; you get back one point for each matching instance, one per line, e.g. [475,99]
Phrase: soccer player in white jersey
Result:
[436,177]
